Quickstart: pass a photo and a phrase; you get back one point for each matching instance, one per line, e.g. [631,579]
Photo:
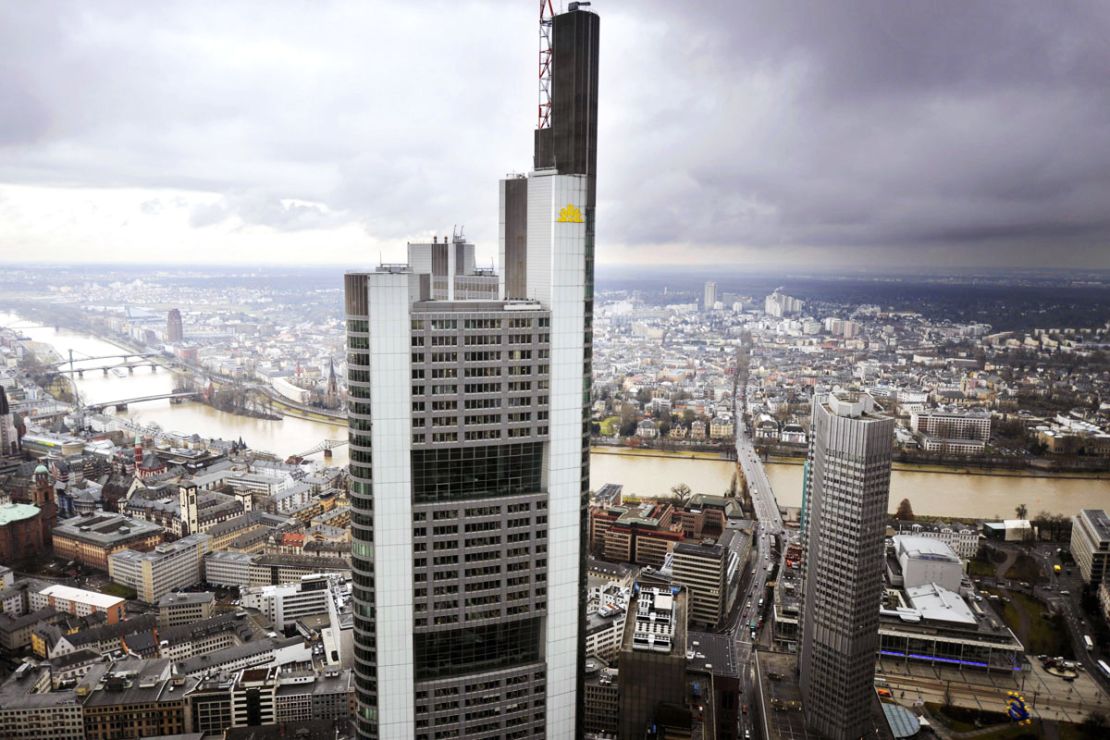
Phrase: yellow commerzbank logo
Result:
[569,214]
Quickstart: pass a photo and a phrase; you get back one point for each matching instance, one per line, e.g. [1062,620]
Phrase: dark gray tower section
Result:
[515,192]
[570,144]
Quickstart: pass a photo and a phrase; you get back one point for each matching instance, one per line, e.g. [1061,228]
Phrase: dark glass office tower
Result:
[469,431]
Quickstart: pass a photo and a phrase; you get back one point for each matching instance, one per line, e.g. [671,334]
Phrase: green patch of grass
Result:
[1043,636]
[1025,568]
[610,425]
[980,569]
[118,589]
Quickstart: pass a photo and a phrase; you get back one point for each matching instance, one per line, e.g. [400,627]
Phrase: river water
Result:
[941,494]
[937,494]
[285,437]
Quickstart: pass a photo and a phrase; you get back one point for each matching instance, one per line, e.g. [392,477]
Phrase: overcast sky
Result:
[882,134]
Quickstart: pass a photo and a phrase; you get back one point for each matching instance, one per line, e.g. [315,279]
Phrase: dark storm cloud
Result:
[731,127]
[882,123]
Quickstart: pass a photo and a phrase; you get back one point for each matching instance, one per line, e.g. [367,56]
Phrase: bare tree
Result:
[1021,510]
[682,493]
[905,511]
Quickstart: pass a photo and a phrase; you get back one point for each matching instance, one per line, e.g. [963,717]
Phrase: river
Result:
[935,494]
[285,437]
[940,494]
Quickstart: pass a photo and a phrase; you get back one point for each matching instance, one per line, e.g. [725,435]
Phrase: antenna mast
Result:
[547,19]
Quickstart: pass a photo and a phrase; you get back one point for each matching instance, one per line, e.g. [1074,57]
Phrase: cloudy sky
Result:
[878,134]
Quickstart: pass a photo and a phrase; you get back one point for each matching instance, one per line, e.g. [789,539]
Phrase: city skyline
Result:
[883,136]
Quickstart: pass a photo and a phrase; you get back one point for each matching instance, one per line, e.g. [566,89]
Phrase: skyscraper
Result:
[848,484]
[469,433]
[174,331]
[710,298]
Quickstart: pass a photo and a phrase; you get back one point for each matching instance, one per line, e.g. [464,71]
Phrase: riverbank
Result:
[665,454]
[898,466]
[965,470]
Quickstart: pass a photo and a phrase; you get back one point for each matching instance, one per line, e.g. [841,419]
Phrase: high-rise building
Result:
[1090,544]
[710,298]
[174,331]
[9,437]
[847,487]
[469,438]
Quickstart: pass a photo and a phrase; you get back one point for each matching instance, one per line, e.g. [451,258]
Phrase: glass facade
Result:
[476,649]
[444,474]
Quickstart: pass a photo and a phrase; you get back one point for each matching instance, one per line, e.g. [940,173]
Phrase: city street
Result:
[769,525]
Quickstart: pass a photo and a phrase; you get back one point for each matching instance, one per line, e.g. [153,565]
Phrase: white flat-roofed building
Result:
[78,601]
[1090,544]
[168,566]
[283,605]
[939,604]
[925,560]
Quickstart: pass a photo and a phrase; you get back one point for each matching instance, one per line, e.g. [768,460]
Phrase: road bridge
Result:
[122,403]
[326,447]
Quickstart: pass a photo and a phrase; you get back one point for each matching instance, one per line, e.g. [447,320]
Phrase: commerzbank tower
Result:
[469,434]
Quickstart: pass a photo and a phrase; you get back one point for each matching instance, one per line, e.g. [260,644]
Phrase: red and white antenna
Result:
[547,20]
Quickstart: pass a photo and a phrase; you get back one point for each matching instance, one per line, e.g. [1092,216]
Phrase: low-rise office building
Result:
[284,604]
[79,602]
[31,710]
[93,538]
[710,571]
[157,572]
[205,636]
[185,608]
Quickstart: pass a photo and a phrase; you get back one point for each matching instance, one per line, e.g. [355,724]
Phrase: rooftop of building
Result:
[306,561]
[137,681]
[183,599]
[917,547]
[711,653]
[12,513]
[227,622]
[780,699]
[95,598]
[203,662]
[101,528]
[162,551]
[24,690]
[853,404]
[1098,521]
[708,548]
[938,604]
[606,568]
[230,556]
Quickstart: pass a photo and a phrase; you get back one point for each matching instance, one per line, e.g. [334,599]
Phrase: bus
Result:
[1104,668]
[1089,643]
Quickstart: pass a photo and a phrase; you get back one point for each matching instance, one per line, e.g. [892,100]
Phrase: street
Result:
[769,525]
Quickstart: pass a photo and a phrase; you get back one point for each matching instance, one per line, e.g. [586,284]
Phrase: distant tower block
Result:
[175,333]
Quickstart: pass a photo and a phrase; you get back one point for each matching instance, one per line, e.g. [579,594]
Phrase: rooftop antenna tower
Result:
[547,20]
